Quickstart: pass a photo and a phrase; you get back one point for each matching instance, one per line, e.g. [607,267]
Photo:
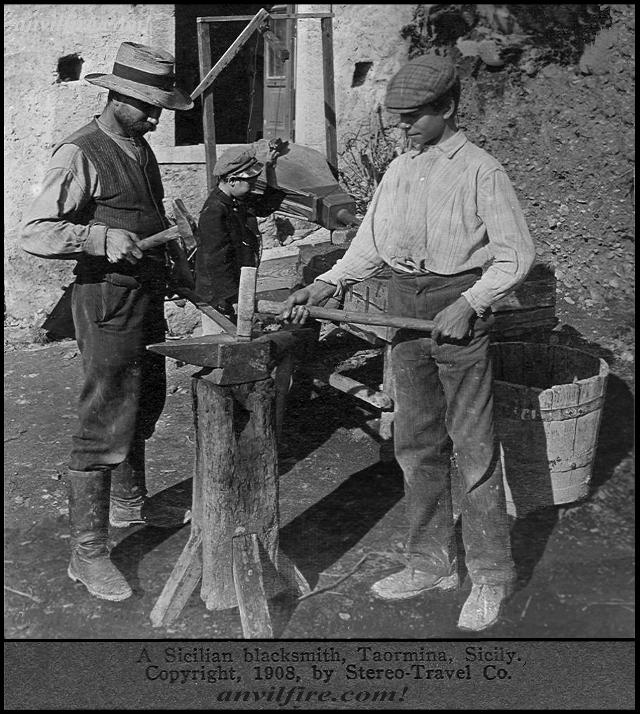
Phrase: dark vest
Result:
[130,198]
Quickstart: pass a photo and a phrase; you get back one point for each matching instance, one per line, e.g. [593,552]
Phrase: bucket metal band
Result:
[570,462]
[571,412]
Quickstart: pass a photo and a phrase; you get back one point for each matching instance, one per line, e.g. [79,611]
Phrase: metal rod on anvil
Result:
[246,303]
[269,307]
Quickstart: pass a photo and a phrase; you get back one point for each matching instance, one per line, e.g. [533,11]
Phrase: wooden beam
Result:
[283,16]
[249,584]
[184,578]
[208,115]
[233,50]
[345,384]
[326,27]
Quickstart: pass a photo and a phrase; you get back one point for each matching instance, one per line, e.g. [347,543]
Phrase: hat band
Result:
[162,81]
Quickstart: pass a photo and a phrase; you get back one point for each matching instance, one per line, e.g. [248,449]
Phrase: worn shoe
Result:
[99,575]
[483,607]
[124,513]
[410,583]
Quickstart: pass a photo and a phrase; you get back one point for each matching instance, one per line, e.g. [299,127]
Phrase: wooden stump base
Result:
[233,546]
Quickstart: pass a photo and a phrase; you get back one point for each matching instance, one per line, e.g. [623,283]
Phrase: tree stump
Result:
[237,465]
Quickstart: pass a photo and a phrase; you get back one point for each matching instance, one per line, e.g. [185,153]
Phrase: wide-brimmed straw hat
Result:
[145,73]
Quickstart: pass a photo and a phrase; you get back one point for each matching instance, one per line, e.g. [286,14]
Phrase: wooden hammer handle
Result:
[269,307]
[159,238]
[205,308]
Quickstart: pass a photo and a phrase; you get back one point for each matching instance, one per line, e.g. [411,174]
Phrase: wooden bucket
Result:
[548,405]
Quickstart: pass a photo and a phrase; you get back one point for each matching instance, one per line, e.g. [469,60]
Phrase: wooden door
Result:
[279,75]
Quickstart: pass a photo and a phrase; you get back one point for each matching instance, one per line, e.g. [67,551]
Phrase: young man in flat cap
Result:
[101,194]
[229,235]
[442,211]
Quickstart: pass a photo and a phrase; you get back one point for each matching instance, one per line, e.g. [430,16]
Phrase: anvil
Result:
[233,362]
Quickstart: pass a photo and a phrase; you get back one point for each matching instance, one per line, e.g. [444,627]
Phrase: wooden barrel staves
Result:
[548,406]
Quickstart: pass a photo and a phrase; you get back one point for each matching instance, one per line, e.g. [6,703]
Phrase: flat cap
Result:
[237,163]
[420,81]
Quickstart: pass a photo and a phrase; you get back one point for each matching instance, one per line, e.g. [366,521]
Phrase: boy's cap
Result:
[421,81]
[237,163]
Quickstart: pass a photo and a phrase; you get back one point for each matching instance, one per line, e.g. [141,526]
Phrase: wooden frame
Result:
[209,73]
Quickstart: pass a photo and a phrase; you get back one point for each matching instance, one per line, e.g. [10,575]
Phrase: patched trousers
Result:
[124,386]
[444,406]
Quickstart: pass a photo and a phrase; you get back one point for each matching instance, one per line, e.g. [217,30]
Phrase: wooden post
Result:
[326,27]
[208,117]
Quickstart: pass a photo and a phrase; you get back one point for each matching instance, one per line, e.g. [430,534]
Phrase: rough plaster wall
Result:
[185,181]
[39,112]
[361,33]
[366,33]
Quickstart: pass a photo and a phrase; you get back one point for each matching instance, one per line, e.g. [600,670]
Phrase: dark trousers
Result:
[444,405]
[124,386]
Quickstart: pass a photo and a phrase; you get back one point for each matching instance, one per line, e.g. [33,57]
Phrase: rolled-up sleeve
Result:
[363,259]
[510,243]
[51,228]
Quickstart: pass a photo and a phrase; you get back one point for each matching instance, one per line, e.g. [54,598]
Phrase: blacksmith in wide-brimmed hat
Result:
[145,73]
[443,210]
[101,194]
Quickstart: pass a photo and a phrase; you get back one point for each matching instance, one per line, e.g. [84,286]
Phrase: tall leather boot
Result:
[90,563]
[129,505]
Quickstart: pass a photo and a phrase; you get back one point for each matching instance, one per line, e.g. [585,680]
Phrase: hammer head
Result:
[187,225]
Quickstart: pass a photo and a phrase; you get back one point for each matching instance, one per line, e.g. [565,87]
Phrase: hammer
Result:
[247,307]
[184,229]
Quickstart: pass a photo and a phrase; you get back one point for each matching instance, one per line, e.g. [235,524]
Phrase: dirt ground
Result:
[566,139]
[338,503]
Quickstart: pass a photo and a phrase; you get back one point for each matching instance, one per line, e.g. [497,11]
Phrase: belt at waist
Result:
[432,281]
[404,274]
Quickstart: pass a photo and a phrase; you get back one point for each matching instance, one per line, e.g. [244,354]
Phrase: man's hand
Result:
[315,294]
[454,322]
[121,245]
